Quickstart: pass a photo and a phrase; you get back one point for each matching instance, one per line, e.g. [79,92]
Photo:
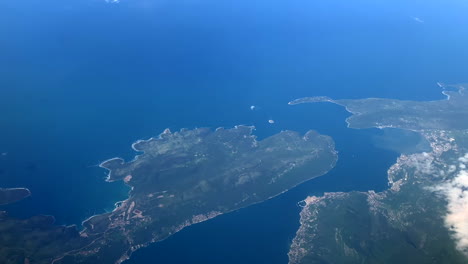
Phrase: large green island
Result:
[422,217]
[178,179]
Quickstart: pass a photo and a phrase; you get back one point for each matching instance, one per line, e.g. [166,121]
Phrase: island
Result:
[12,195]
[177,180]
[422,217]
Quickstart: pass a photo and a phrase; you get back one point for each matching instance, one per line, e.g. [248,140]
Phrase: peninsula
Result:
[422,217]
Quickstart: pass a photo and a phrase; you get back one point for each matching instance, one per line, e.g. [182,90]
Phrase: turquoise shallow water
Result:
[81,80]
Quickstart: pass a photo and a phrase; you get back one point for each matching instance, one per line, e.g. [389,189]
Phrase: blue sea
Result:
[81,80]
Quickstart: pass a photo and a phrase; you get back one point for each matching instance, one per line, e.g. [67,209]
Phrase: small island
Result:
[12,195]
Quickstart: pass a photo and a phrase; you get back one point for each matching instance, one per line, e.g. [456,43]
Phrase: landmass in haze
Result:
[11,195]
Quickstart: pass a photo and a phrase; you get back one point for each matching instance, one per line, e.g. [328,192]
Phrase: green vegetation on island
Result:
[412,115]
[422,217]
[179,179]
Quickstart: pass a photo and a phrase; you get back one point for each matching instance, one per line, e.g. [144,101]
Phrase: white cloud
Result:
[452,168]
[417,19]
[464,159]
[422,163]
[456,193]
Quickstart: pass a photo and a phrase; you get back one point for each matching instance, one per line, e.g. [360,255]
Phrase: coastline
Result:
[22,193]
[355,114]
[115,163]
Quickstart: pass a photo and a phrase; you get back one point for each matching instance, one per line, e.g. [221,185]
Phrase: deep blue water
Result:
[80,80]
